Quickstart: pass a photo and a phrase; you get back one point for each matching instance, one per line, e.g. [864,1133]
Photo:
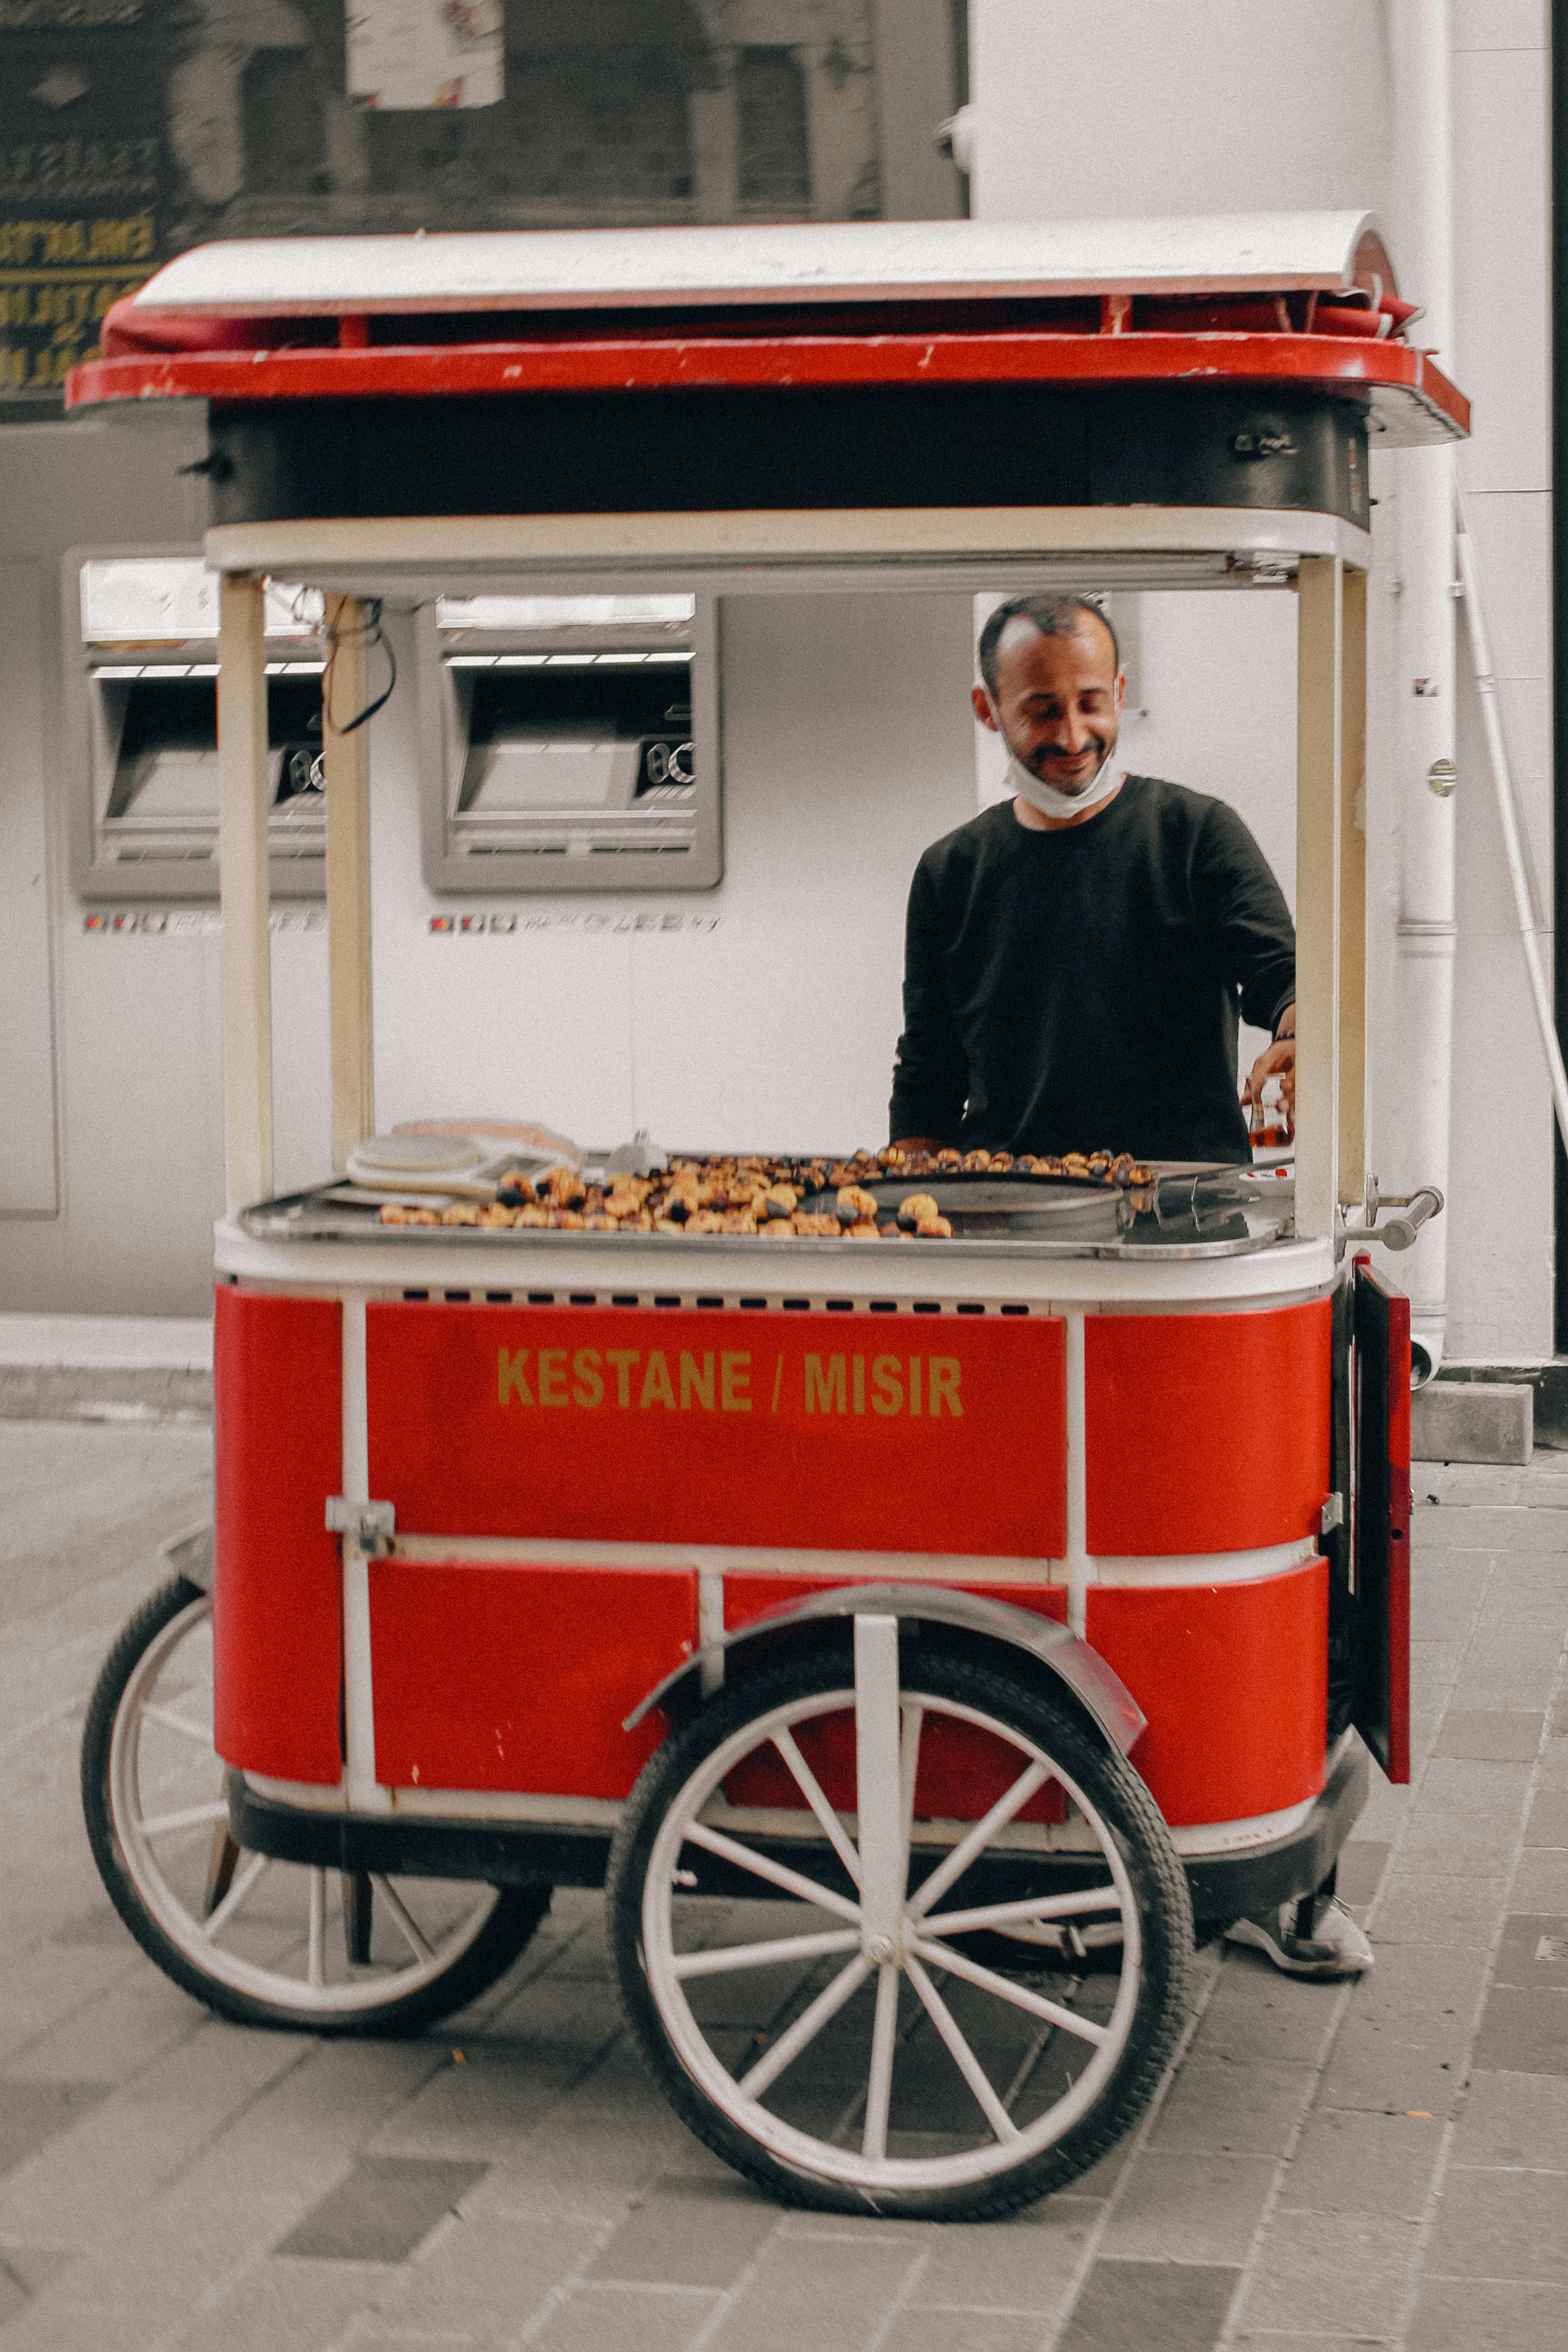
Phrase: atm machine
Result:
[142,730]
[569,744]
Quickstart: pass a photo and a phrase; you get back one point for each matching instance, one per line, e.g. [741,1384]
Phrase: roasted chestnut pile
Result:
[753,1194]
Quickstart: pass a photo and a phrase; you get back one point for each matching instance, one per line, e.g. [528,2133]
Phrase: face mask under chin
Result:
[1048,801]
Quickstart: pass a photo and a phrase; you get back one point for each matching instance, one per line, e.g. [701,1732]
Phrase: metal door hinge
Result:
[372,1525]
[1332,1513]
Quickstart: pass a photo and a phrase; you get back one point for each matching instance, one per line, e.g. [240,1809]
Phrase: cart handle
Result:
[1400,1231]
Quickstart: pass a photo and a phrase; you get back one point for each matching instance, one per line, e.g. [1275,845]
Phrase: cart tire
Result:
[889,2120]
[311,1972]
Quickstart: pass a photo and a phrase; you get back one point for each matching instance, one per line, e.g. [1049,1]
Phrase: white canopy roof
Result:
[788,263]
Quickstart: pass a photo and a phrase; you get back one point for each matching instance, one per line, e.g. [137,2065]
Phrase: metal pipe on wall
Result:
[1415,1149]
[1532,925]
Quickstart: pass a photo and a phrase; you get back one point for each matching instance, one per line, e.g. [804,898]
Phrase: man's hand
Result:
[1279,1061]
[916,1143]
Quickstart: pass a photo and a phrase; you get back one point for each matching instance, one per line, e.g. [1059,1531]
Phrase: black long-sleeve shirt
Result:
[1079,989]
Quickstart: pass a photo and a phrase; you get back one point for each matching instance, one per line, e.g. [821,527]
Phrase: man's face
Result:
[1056,701]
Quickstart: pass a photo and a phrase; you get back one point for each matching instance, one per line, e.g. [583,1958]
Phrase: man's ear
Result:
[982,710]
[1121,690]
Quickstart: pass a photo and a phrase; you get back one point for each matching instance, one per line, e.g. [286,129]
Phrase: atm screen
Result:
[559,736]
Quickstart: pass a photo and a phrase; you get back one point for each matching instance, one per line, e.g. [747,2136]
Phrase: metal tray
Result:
[1189,1212]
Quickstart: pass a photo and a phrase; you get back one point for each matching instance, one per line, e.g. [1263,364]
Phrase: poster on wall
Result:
[403,54]
[80,180]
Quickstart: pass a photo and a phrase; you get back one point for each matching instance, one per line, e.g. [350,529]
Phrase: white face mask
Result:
[1049,801]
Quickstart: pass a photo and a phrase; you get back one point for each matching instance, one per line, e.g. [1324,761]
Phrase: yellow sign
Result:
[631,1379]
[58,280]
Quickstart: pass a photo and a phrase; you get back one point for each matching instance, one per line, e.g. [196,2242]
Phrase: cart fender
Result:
[1069,1659]
[191,1556]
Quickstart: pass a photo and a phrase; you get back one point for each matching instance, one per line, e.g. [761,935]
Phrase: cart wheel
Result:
[263,1942]
[831,2037]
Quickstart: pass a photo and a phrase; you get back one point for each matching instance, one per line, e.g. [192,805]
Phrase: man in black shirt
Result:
[1076,960]
[1077,957]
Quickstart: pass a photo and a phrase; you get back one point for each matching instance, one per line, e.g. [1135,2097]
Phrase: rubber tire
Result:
[504,1935]
[1111,1785]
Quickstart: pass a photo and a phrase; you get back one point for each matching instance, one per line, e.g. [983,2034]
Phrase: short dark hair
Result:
[1052,616]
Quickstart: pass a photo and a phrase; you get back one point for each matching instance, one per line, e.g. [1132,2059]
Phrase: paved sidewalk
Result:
[1382,2164]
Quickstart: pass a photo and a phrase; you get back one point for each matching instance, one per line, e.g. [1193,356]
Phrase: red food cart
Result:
[911,1640]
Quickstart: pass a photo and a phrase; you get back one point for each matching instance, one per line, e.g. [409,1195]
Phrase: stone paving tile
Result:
[962,2331]
[381,2209]
[1396,2063]
[1258,2015]
[284,2306]
[1501,1671]
[46,2325]
[1421,1907]
[1505,1530]
[39,1988]
[1490,1735]
[299,2137]
[816,2298]
[140,2017]
[1339,2273]
[162,2257]
[486,2278]
[1189,2208]
[366,2333]
[555,2101]
[563,2016]
[1524,2025]
[1029,2263]
[1514,2119]
[1502,2223]
[1486,2316]
[1216,2107]
[112,2162]
[625,2319]
[1358,2162]
[1465,1813]
[701,2232]
[1386,1809]
[33,2113]
[1547,1822]
[1540,1882]
[100,1924]
[1270,2340]
[1362,1863]
[1101,2178]
[36,2267]
[1524,2032]
[587,2167]
[1177,2307]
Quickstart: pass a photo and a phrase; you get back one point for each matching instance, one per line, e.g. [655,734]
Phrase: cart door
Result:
[1381,1403]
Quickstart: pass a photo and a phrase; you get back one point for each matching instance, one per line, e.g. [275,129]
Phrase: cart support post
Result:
[1319,742]
[346,758]
[1353,890]
[242,889]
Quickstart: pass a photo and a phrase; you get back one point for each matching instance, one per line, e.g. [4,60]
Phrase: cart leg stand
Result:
[1319,675]
[242,887]
[346,758]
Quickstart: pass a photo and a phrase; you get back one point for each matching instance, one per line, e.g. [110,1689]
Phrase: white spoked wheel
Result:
[803,1939]
[265,1941]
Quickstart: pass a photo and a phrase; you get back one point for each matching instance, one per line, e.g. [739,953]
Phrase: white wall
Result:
[769,1018]
[847,743]
[1501,1243]
[847,749]
[128,1028]
[1140,107]
[1174,106]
